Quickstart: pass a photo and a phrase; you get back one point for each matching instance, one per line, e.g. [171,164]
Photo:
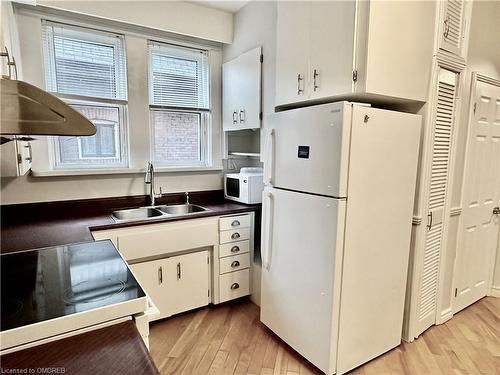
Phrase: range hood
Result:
[28,110]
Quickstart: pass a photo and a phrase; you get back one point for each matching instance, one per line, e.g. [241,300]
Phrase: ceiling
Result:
[227,5]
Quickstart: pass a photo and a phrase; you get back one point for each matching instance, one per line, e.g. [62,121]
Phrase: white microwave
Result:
[244,187]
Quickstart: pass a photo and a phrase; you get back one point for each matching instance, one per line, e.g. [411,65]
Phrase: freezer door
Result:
[299,252]
[307,149]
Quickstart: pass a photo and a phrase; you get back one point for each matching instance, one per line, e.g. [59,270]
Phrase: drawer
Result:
[234,235]
[234,284]
[234,263]
[233,248]
[234,222]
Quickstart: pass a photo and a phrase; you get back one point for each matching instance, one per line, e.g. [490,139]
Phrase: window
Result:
[179,104]
[87,69]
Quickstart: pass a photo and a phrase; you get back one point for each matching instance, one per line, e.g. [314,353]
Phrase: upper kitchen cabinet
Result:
[241,91]
[454,19]
[9,43]
[355,50]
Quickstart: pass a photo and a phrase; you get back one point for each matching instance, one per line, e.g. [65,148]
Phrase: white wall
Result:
[179,17]
[35,189]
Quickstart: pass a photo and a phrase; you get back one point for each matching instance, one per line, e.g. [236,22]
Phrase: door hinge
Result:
[456,292]
[355,75]
[19,159]
[261,58]
[260,116]
[209,292]
[208,259]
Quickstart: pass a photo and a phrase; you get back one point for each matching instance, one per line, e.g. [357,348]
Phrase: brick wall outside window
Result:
[176,137]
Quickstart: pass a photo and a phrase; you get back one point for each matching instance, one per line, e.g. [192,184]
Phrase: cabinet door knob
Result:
[178,271]
[235,286]
[242,116]
[235,264]
[235,117]
[235,249]
[235,236]
[235,223]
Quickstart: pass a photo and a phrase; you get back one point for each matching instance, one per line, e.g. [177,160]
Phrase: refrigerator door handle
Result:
[269,230]
[269,165]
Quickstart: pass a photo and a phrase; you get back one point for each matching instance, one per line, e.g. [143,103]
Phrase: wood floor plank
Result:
[230,339]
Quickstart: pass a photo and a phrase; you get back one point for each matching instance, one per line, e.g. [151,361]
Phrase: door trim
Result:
[475,78]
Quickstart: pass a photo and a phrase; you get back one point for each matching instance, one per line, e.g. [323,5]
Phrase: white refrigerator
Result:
[337,213]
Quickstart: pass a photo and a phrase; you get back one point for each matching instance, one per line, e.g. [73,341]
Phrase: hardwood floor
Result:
[230,339]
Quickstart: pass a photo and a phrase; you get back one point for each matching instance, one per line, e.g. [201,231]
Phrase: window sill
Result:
[111,171]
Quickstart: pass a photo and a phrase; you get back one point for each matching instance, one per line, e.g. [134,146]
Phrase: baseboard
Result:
[445,316]
[495,291]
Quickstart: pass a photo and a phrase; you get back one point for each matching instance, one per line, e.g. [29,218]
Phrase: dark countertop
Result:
[117,349]
[35,225]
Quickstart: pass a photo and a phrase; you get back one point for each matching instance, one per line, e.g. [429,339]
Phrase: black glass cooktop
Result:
[48,283]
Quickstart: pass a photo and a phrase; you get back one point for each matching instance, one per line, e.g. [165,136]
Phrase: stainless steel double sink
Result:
[157,211]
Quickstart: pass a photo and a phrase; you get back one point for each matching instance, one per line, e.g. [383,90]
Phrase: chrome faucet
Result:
[149,179]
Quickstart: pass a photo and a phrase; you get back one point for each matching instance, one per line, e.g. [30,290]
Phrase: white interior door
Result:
[299,253]
[479,228]
[427,271]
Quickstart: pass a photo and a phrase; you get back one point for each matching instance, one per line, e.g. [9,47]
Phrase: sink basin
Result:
[136,213]
[182,209]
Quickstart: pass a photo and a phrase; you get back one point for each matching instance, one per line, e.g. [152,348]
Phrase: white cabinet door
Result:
[187,281]
[332,41]
[242,91]
[292,51]
[229,99]
[452,28]
[151,276]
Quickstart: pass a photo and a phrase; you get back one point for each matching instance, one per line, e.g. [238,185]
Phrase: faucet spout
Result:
[149,179]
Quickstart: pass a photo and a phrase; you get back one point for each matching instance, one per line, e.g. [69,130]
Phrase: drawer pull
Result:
[235,223]
[235,286]
[235,236]
[235,249]
[235,264]
[179,271]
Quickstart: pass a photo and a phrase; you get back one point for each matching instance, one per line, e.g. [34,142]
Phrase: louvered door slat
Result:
[444,109]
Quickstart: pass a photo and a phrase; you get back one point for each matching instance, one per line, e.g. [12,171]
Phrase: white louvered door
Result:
[453,27]
[444,113]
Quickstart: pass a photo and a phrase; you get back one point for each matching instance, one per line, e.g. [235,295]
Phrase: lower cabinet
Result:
[177,283]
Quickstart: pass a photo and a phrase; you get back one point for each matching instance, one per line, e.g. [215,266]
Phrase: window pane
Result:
[84,62]
[178,76]
[177,137]
[103,149]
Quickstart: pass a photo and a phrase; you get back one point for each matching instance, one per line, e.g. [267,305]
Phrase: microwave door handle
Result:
[269,165]
[269,230]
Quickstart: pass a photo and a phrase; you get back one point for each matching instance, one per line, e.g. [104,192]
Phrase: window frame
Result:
[204,139]
[206,114]
[121,135]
